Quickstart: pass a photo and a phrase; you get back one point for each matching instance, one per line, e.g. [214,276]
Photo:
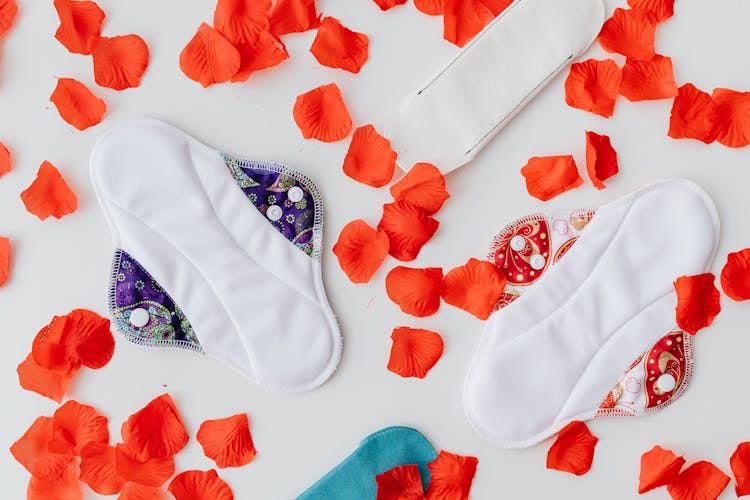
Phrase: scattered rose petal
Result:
[740,463]
[474,287]
[549,176]
[5,163]
[76,104]
[200,485]
[408,229]
[601,159]
[4,259]
[701,481]
[400,483]
[51,349]
[735,276]
[463,19]
[31,451]
[75,425]
[8,11]
[209,58]
[360,250]
[135,491]
[91,336]
[149,472]
[49,194]
[629,32]
[648,80]
[266,51]
[293,16]
[336,46]
[414,351]
[321,114]
[80,24]
[698,302]
[370,159]
[120,61]
[61,487]
[659,9]
[451,476]
[242,21]
[593,86]
[98,469]
[693,115]
[227,441]
[48,383]
[155,431]
[496,6]
[659,467]
[573,450]
[415,291]
[430,7]
[388,4]
[423,187]
[733,114]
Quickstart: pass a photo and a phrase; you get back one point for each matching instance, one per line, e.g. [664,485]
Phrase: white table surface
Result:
[61,265]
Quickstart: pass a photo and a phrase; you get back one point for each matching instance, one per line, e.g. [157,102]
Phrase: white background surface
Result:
[61,265]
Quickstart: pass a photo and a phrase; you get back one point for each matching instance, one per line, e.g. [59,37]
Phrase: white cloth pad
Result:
[455,114]
[254,299]
[552,356]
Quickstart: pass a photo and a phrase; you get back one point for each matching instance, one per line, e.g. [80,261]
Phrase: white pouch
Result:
[553,355]
[216,254]
[452,117]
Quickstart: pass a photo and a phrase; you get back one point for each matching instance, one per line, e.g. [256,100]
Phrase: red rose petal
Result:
[62,487]
[48,383]
[80,24]
[423,187]
[408,229]
[370,159]
[698,302]
[474,287]
[463,19]
[266,51]
[76,104]
[120,61]
[659,9]
[601,159]
[388,4]
[693,115]
[735,276]
[8,11]
[496,6]
[321,114]
[360,250]
[415,291]
[400,483]
[76,425]
[593,86]
[5,163]
[200,485]
[659,467]
[629,32]
[49,194]
[733,116]
[293,16]
[451,476]
[227,441]
[414,351]
[549,176]
[209,58]
[430,7]
[155,431]
[242,21]
[573,450]
[149,472]
[99,470]
[648,80]
[91,336]
[740,463]
[31,451]
[4,259]
[135,491]
[336,46]
[701,481]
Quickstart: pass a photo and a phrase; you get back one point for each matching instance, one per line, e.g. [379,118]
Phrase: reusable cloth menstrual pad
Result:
[216,254]
[602,305]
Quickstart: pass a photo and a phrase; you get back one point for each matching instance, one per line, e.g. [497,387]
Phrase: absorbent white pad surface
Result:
[235,244]
[449,119]
[552,356]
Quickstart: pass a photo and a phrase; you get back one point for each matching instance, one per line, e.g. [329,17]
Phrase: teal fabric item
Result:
[354,478]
